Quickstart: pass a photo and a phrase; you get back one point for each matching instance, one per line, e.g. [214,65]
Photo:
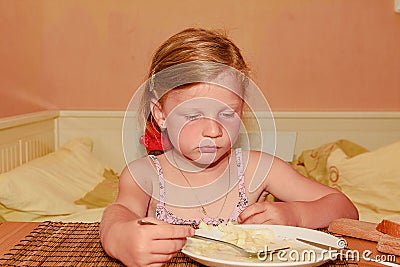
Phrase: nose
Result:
[212,128]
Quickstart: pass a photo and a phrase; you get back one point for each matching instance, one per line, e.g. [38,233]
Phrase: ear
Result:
[157,112]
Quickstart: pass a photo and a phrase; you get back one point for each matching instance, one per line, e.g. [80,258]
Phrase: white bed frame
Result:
[28,136]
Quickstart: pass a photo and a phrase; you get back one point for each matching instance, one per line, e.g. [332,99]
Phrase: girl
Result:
[194,97]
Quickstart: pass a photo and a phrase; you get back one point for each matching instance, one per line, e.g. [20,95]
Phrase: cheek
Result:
[188,138]
[174,128]
[232,130]
[188,134]
[180,134]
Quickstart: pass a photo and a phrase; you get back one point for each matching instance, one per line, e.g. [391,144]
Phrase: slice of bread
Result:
[355,228]
[390,226]
[389,244]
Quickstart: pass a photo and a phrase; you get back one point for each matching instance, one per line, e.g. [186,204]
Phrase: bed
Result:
[64,165]
[69,184]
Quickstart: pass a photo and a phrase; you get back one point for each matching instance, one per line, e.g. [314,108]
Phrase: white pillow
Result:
[49,185]
[371,180]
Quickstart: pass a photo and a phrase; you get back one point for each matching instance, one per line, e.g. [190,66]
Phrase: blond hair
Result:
[190,45]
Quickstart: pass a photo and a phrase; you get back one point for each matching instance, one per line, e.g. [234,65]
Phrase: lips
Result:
[208,149]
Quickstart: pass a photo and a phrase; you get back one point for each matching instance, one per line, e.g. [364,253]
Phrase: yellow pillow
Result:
[49,185]
[371,180]
[312,163]
[103,194]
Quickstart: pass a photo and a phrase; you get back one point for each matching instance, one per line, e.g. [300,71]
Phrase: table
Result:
[77,244]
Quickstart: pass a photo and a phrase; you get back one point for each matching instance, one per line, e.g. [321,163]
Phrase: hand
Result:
[269,213]
[148,245]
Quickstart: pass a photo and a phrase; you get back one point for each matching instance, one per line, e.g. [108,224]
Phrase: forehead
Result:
[203,91]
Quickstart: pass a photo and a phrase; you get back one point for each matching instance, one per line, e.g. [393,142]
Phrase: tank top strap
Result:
[160,178]
[240,168]
[243,201]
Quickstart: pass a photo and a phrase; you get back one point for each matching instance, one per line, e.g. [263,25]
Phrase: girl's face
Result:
[202,121]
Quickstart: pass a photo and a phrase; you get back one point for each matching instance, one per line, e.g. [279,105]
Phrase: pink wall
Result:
[306,55]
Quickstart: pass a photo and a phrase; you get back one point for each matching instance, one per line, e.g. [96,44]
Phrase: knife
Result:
[315,244]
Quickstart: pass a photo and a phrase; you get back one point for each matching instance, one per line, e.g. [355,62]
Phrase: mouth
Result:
[208,149]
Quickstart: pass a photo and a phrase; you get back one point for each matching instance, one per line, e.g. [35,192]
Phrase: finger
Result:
[152,220]
[251,211]
[167,247]
[259,218]
[169,231]
[157,260]
[163,230]
[157,264]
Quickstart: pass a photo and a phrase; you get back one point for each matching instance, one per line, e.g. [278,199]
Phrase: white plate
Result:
[294,256]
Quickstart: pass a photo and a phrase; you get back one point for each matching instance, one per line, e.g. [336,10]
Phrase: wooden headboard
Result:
[23,138]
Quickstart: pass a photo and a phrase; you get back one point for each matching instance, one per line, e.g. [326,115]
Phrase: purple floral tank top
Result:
[165,215]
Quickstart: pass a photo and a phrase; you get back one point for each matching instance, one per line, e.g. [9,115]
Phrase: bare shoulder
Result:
[257,166]
[257,161]
[265,168]
[255,154]
[268,161]
[140,164]
[136,186]
[139,172]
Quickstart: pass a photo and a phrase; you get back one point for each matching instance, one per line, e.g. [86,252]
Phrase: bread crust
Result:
[389,227]
[355,228]
[389,244]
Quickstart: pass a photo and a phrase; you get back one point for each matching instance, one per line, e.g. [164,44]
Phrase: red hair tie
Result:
[154,140]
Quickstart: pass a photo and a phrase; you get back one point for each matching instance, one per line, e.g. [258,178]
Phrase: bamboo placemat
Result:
[77,244]
[60,244]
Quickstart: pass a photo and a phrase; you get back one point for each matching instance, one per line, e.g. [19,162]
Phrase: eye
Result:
[227,114]
[192,117]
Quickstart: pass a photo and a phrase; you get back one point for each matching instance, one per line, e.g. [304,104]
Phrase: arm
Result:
[305,203]
[133,244]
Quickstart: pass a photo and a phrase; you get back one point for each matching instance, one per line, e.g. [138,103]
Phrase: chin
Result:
[208,158]
[203,161]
